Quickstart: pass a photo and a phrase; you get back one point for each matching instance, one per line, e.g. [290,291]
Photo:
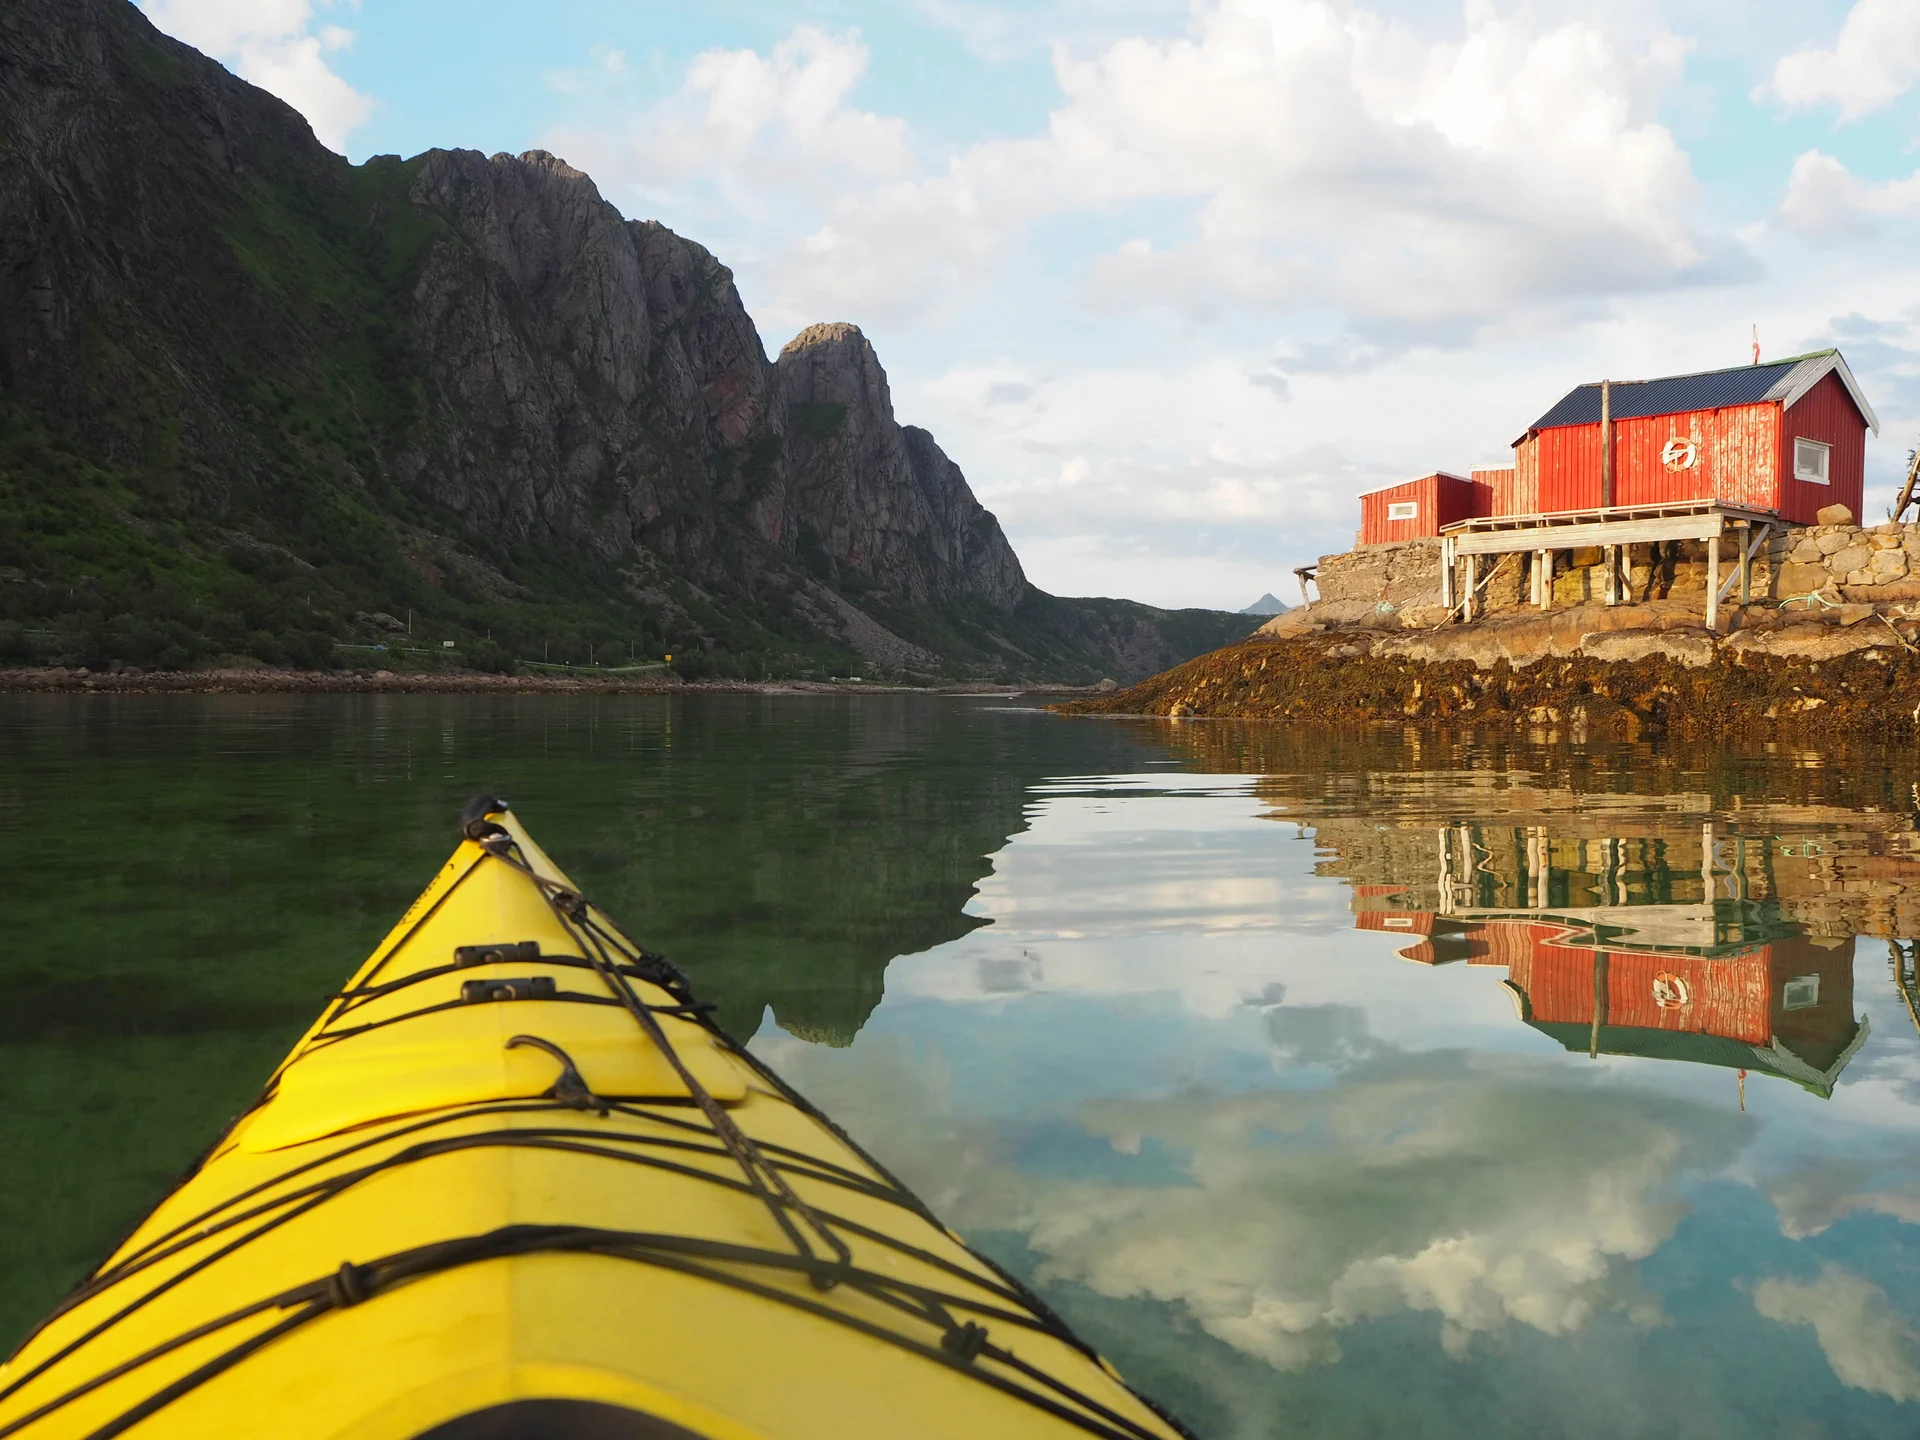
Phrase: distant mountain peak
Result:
[1267,604]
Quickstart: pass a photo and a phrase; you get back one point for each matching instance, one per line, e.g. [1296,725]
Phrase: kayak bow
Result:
[515,1183]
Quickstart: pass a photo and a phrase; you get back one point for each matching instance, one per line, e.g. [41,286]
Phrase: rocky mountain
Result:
[256,400]
[1267,604]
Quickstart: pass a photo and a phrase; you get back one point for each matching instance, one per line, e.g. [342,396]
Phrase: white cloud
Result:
[1868,1344]
[1825,198]
[1873,62]
[279,46]
[1813,1199]
[746,137]
[1315,153]
[1334,157]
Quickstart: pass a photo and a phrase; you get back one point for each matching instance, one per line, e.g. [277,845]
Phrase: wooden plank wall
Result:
[1736,457]
[1824,413]
[1729,995]
[1377,529]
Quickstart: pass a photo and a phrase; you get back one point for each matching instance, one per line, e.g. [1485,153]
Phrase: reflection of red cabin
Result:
[1784,1007]
[1416,508]
[1788,436]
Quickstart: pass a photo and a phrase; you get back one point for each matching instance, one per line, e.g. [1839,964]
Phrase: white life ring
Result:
[1679,453]
[1670,992]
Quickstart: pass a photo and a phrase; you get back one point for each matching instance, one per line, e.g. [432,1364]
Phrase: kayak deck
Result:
[514,1182]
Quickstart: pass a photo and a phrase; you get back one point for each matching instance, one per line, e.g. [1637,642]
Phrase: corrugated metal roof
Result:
[1784,380]
[1695,1048]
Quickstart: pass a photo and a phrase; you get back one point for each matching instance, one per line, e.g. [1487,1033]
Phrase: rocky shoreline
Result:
[267,680]
[1621,671]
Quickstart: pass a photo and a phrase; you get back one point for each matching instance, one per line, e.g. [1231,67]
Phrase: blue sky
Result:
[1172,282]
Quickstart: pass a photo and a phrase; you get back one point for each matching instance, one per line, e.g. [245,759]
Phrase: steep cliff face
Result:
[590,377]
[875,496]
[251,395]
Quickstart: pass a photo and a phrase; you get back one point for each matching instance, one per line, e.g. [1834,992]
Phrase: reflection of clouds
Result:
[1817,1196]
[1199,860]
[1487,1193]
[1318,1034]
[1868,1344]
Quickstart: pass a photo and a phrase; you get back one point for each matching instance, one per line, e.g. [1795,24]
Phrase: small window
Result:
[1810,459]
[1404,510]
[1802,992]
[1397,922]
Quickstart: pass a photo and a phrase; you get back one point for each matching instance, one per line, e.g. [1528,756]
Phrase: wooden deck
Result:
[1613,530]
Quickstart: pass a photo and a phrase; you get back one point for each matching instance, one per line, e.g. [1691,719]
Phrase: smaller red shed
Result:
[1416,508]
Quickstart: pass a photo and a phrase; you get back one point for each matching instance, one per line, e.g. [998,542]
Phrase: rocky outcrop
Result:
[1818,680]
[589,377]
[877,497]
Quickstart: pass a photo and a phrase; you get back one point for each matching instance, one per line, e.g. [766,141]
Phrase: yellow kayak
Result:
[514,1183]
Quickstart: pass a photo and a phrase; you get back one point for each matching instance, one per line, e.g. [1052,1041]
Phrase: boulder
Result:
[1292,622]
[1893,590]
[1853,557]
[1478,644]
[1690,648]
[1834,515]
[1833,540]
[1808,642]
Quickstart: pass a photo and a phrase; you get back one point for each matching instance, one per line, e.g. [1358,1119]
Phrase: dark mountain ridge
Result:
[255,400]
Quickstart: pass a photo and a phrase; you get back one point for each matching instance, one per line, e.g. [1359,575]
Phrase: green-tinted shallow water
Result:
[1332,1085]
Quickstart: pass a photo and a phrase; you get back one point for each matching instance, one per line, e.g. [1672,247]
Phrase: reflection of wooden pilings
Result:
[1905,979]
[1599,1003]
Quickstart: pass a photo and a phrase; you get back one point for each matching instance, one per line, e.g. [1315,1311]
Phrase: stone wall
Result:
[1400,584]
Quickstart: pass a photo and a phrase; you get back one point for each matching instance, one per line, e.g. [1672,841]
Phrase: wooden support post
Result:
[1606,444]
[1446,573]
[1713,582]
[1473,574]
[1742,533]
[1543,567]
[1613,574]
[1600,997]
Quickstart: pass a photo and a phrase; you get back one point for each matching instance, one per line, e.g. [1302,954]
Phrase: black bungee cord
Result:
[961,1344]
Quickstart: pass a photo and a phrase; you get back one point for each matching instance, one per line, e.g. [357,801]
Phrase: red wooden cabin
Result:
[1499,489]
[1782,1008]
[1789,436]
[1416,508]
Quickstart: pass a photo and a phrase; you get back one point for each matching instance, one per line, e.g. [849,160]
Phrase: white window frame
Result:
[1802,992]
[1403,510]
[1803,472]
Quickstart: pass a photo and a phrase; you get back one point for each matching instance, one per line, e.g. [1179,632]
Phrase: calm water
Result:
[1332,1085]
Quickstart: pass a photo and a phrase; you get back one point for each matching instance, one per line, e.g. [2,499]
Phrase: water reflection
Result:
[1671,945]
[1130,1004]
[1187,1080]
